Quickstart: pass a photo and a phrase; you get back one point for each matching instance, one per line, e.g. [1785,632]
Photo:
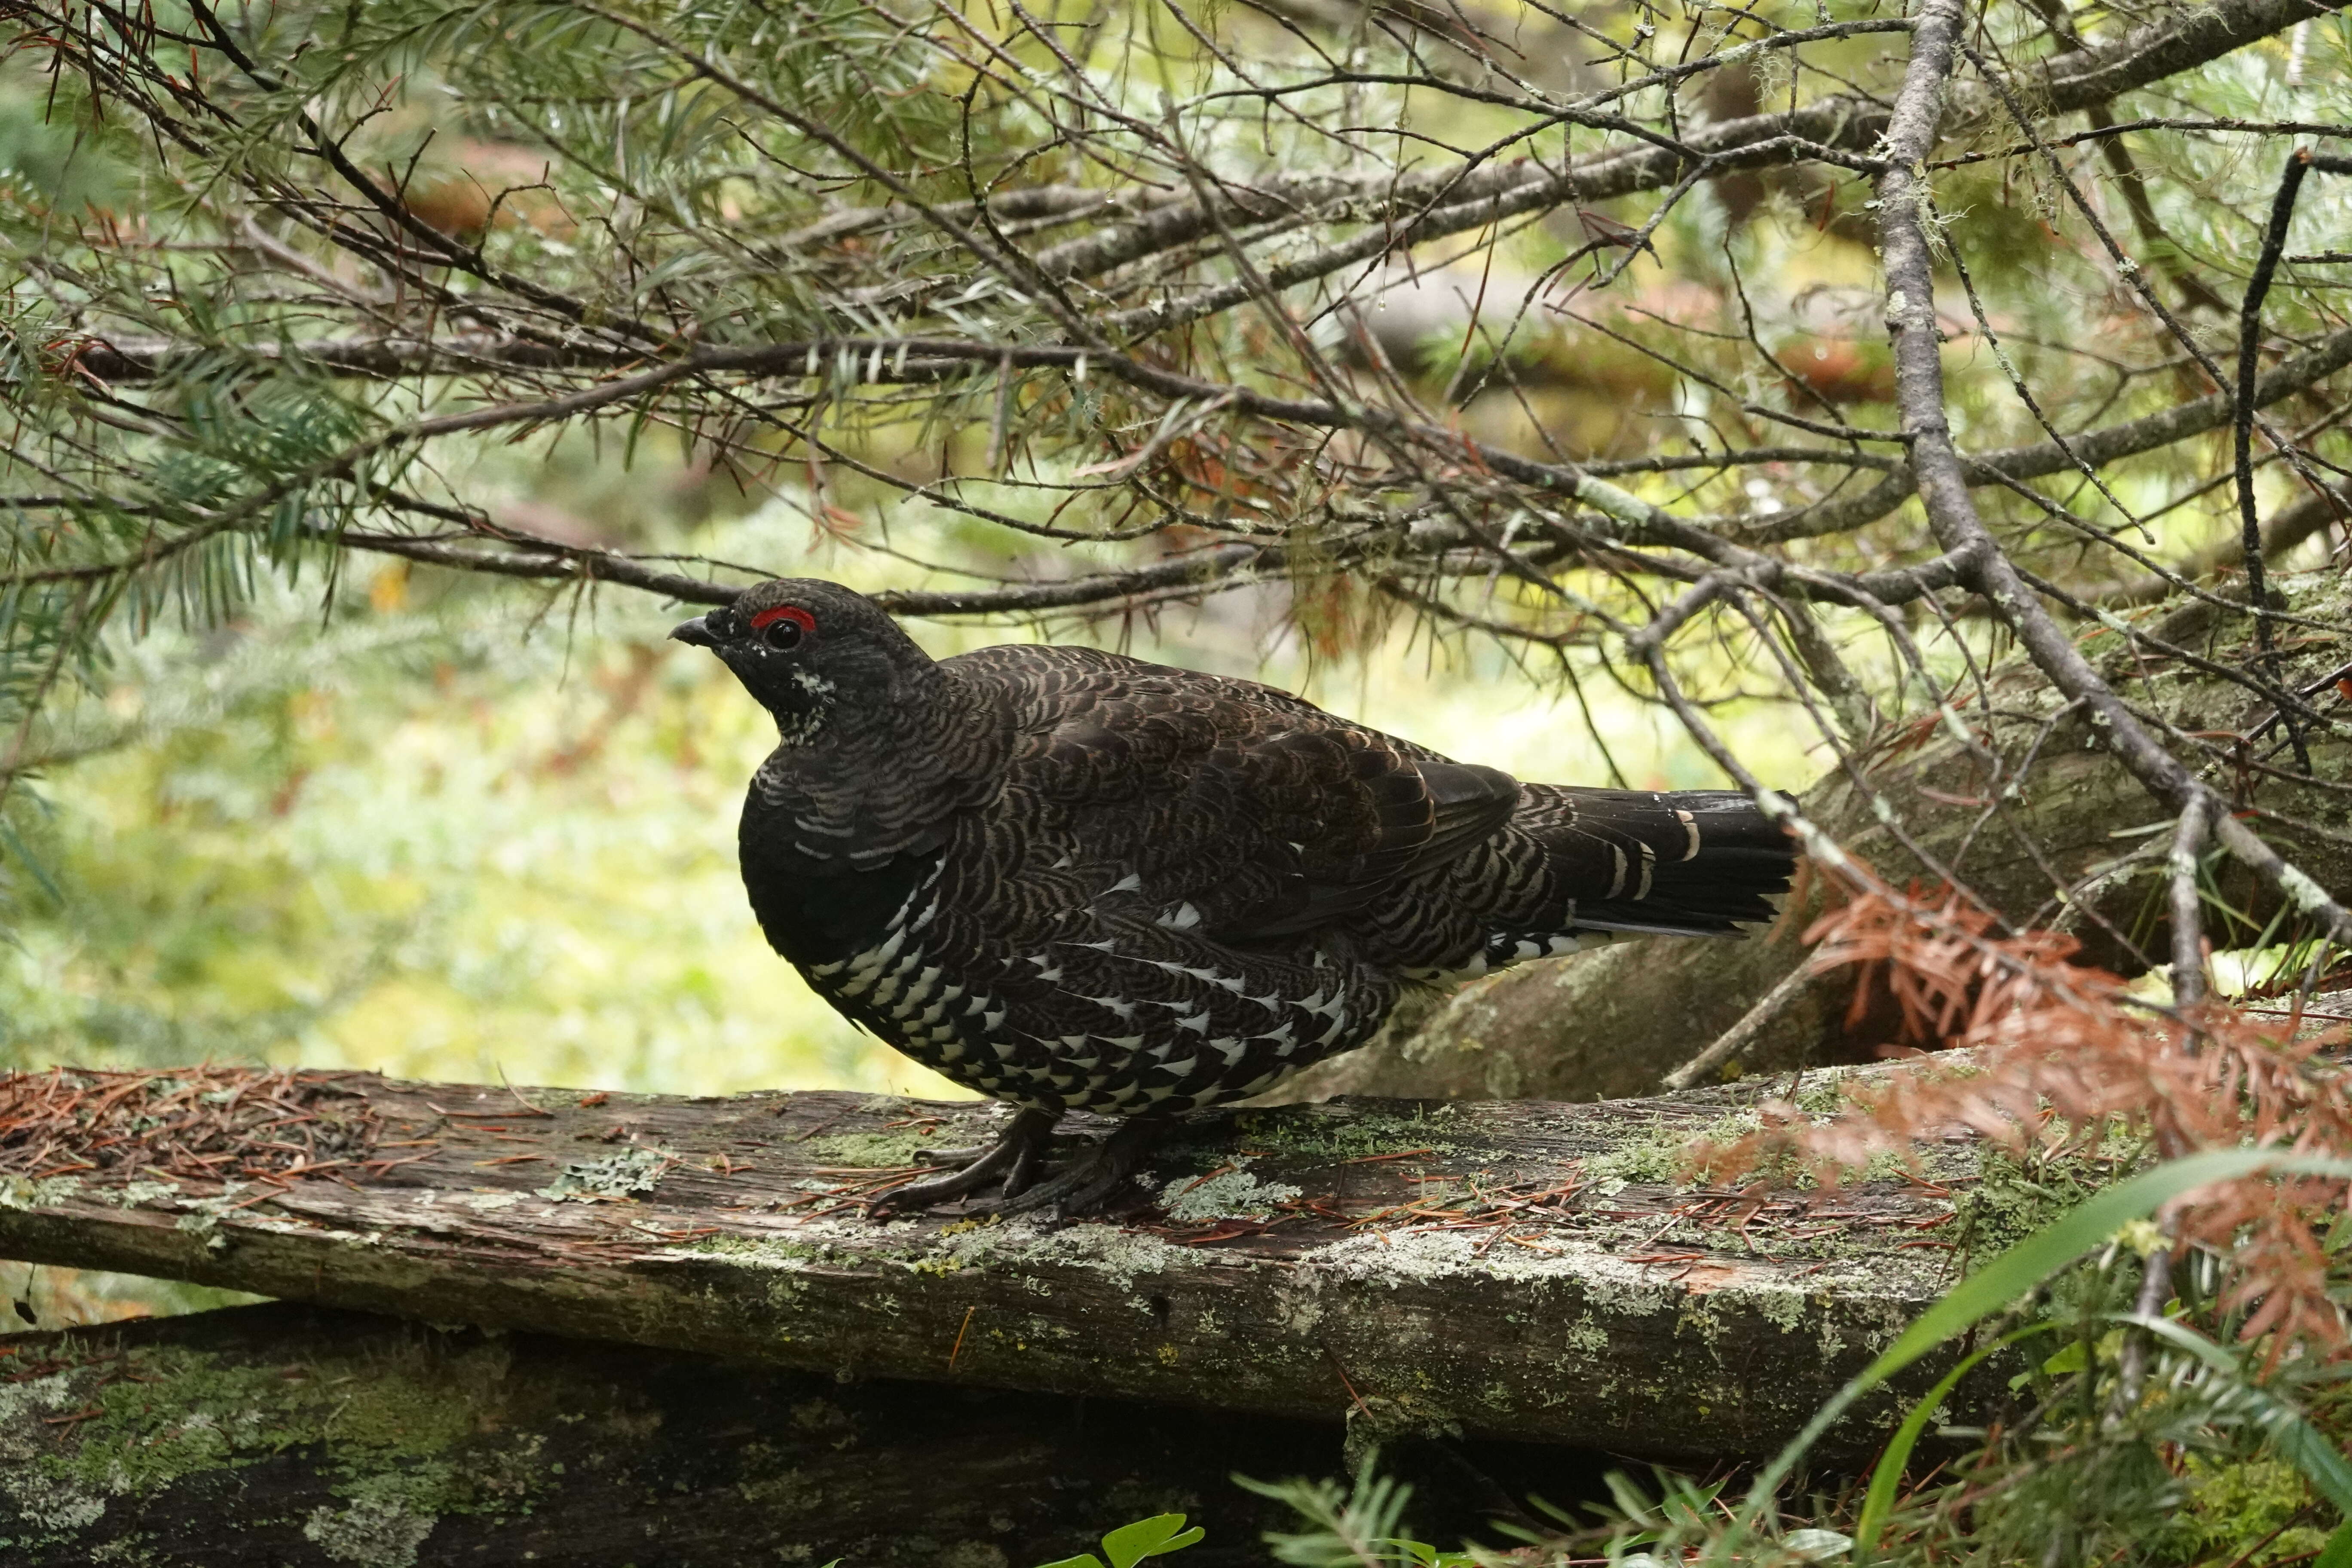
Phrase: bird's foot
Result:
[1077,1188]
[1083,1184]
[1012,1157]
[1022,1170]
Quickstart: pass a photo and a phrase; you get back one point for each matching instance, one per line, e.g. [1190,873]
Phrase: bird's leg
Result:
[1014,1154]
[1087,1180]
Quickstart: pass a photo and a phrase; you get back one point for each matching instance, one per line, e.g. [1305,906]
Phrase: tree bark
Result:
[1500,1270]
[1613,1022]
[310,1438]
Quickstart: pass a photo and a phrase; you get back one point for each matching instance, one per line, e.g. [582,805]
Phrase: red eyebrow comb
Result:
[791,613]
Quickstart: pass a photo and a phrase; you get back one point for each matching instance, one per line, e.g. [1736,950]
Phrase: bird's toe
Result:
[1010,1158]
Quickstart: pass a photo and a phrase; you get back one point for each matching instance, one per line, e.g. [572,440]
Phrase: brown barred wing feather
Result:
[1264,816]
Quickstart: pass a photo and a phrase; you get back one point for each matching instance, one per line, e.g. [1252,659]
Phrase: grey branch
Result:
[1952,511]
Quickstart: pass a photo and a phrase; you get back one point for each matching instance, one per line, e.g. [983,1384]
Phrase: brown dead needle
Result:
[208,1124]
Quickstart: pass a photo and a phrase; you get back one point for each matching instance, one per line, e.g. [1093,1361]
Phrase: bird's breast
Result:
[818,908]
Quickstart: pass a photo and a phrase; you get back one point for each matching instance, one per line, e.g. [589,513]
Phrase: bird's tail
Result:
[1686,863]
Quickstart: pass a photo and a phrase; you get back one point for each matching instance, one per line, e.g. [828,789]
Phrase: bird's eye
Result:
[782,627]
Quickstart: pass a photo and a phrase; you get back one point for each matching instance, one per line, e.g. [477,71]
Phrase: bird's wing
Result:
[1236,808]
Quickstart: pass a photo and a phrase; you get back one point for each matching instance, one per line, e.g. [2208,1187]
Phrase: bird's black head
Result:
[813,653]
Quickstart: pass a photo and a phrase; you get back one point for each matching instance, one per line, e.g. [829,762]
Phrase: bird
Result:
[1074,880]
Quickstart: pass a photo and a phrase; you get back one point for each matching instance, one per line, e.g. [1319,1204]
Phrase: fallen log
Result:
[304,1436]
[1515,1270]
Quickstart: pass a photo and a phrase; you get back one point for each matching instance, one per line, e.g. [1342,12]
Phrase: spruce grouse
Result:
[1069,879]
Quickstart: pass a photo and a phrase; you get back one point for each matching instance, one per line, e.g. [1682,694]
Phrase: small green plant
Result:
[1356,1528]
[1131,1543]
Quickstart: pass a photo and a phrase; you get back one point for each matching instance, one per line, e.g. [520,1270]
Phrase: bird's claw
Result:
[1012,1156]
[1079,1187]
[957,1157]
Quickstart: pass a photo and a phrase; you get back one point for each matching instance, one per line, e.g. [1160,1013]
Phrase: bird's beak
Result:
[695,631]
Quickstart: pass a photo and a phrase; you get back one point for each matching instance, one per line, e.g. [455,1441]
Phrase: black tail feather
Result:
[1687,863]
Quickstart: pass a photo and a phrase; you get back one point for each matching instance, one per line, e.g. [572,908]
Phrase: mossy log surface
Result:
[311,1437]
[1516,1270]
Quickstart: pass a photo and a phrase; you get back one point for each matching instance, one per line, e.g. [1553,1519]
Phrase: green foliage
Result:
[1350,1527]
[1129,1544]
[1886,1476]
[2022,1267]
[46,160]
[2236,1398]
[1682,1509]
